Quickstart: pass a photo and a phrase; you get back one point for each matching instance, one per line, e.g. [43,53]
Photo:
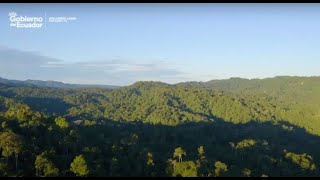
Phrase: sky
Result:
[119,44]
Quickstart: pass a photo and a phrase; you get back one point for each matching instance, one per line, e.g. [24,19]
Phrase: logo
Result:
[25,21]
[12,14]
[37,22]
[62,19]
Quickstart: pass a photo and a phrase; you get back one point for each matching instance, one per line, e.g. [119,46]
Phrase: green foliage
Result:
[303,160]
[220,168]
[179,152]
[89,123]
[246,143]
[185,169]
[10,143]
[62,122]
[201,151]
[45,167]
[241,125]
[23,114]
[79,166]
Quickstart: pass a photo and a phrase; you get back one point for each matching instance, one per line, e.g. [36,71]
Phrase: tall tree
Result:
[11,143]
[79,166]
[220,167]
[179,152]
[44,167]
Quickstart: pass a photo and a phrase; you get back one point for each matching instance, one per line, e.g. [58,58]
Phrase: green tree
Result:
[185,169]
[178,152]
[202,162]
[11,143]
[220,167]
[45,167]
[246,143]
[201,152]
[79,166]
[62,122]
[304,160]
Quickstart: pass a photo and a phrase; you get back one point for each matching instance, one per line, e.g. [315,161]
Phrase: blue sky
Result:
[122,43]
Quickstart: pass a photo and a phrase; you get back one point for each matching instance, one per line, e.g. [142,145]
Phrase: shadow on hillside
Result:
[47,105]
[216,138]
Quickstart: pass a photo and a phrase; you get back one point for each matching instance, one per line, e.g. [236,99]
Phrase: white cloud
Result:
[16,64]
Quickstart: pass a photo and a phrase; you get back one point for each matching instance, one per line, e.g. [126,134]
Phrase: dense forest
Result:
[234,127]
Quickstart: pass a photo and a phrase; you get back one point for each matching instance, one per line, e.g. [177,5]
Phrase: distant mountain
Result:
[267,85]
[286,88]
[51,84]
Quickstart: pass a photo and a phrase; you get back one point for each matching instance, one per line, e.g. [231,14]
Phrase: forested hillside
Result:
[53,84]
[235,127]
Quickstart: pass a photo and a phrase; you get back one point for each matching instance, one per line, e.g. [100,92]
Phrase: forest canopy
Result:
[235,127]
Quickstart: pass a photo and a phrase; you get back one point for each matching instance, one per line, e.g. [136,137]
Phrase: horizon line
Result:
[220,79]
